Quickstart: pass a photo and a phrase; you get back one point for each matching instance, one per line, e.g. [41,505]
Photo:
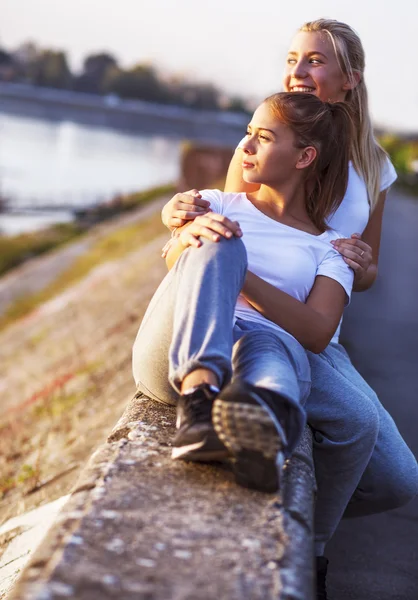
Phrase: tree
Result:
[96,68]
[51,70]
[139,82]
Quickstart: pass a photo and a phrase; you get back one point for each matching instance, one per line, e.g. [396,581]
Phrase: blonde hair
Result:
[367,155]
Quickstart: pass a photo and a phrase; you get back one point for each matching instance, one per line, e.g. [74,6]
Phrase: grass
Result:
[14,250]
[111,247]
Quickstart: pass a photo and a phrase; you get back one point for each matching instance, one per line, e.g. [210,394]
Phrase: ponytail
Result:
[327,184]
[328,127]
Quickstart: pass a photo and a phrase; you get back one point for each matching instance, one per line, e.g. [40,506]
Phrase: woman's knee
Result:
[407,488]
[389,481]
[399,481]
[233,249]
[163,394]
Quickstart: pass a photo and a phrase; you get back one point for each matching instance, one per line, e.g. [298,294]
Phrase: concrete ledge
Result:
[139,525]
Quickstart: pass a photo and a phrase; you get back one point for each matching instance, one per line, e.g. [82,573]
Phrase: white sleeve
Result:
[215,197]
[334,267]
[388,175]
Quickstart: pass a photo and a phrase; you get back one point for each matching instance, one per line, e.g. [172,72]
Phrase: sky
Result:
[239,45]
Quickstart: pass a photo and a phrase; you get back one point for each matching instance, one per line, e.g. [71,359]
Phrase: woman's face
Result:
[311,66]
[269,151]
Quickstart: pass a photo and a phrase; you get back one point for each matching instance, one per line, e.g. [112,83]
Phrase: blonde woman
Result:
[362,464]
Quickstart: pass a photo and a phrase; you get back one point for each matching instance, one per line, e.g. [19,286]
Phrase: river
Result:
[46,162]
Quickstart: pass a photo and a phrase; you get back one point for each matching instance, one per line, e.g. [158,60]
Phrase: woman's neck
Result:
[286,205]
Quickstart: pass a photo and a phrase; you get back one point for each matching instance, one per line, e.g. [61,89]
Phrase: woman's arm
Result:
[185,207]
[361,252]
[313,324]
[234,181]
[212,226]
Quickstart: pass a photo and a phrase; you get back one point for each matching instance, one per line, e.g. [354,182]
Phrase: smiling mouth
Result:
[302,88]
[247,165]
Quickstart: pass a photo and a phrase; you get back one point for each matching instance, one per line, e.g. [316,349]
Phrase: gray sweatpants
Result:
[362,464]
[189,324]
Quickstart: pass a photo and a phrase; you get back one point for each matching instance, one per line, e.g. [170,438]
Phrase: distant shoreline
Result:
[135,116]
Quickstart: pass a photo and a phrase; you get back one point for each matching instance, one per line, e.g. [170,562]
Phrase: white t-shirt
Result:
[353,213]
[283,256]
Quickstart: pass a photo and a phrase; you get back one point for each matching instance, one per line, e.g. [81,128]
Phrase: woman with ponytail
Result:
[249,410]
[362,464]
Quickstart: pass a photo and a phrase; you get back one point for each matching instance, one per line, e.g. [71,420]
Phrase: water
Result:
[64,163]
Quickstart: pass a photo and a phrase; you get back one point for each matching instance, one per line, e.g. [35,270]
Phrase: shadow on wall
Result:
[203,167]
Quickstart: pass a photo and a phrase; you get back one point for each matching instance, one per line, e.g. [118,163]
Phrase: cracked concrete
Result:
[139,525]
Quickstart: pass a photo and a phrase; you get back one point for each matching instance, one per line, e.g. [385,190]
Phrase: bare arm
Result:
[361,252]
[212,226]
[313,324]
[185,207]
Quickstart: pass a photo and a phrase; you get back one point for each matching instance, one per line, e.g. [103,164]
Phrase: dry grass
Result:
[65,369]
[111,247]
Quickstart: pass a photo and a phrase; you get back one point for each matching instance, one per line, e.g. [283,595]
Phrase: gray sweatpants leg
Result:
[360,457]
[390,479]
[189,324]
[277,362]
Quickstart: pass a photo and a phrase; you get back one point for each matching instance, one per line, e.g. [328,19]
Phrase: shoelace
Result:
[199,408]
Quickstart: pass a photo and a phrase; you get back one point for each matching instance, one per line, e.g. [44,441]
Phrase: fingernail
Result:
[228,234]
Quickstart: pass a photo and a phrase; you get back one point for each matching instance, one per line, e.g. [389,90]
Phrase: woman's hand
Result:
[356,253]
[211,226]
[183,208]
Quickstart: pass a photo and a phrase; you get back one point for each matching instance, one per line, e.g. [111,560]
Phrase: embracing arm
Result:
[313,324]
[185,207]
[212,226]
[361,252]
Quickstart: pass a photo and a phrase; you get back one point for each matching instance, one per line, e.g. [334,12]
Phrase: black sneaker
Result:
[321,575]
[246,420]
[196,439]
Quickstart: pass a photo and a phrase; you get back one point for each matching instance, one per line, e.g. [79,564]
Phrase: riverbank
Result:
[59,362]
[135,116]
[15,250]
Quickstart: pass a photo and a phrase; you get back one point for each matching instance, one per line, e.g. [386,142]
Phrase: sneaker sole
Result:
[251,435]
[198,453]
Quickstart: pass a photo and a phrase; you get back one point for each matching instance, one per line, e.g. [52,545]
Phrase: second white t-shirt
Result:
[285,257]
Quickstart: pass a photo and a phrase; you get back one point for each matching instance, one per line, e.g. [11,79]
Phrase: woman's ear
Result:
[306,157]
[353,81]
